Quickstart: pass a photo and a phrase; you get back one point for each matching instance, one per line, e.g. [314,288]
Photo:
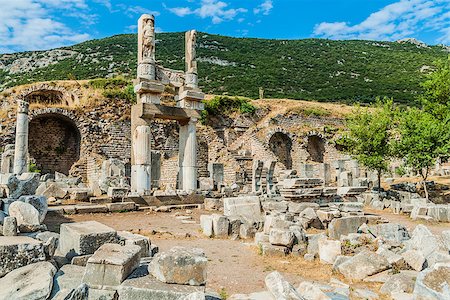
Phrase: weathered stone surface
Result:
[180,265]
[298,207]
[390,232]
[446,239]
[19,251]
[348,206]
[141,286]
[402,282]
[80,260]
[79,293]
[249,206]
[328,250]
[10,226]
[235,226]
[414,259]
[55,190]
[423,240]
[213,204]
[68,278]
[261,237]
[121,206]
[363,264]
[84,238]
[91,209]
[25,184]
[310,291]
[24,213]
[365,294]
[46,235]
[344,226]
[313,243]
[280,288]
[206,223]
[128,238]
[280,237]
[271,250]
[220,226]
[111,264]
[31,282]
[29,228]
[38,202]
[253,296]
[390,256]
[433,283]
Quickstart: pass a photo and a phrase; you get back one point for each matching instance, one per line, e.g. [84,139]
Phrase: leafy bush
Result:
[126,93]
[225,105]
[32,168]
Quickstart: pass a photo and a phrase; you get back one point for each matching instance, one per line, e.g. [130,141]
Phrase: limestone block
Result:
[440,213]
[310,291]
[246,230]
[390,256]
[206,223]
[25,184]
[298,207]
[84,238]
[423,240]
[433,283]
[24,213]
[31,282]
[235,226]
[364,294]
[280,237]
[249,206]
[121,206]
[220,226]
[128,238]
[261,237]
[275,206]
[329,250]
[111,264]
[117,192]
[414,259]
[363,264]
[402,282]
[137,287]
[313,243]
[80,260]
[327,216]
[38,202]
[67,278]
[419,210]
[10,226]
[347,206]
[280,288]
[213,204]
[55,190]
[78,194]
[390,232]
[446,239]
[180,265]
[91,209]
[345,225]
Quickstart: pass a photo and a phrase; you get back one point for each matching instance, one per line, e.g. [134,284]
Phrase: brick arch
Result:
[280,143]
[54,140]
[67,98]
[315,144]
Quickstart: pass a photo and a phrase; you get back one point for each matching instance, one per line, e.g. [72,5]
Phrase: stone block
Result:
[67,278]
[91,209]
[329,250]
[127,238]
[180,265]
[213,204]
[84,238]
[220,226]
[433,283]
[309,290]
[414,259]
[390,232]
[206,223]
[10,226]
[38,202]
[246,230]
[275,206]
[235,226]
[111,264]
[362,265]
[80,260]
[78,194]
[439,213]
[30,282]
[117,192]
[55,190]
[249,206]
[141,286]
[121,206]
[345,225]
[280,288]
[261,237]
[280,237]
[298,207]
[402,282]
[268,249]
[19,251]
[313,243]
[24,213]
[24,184]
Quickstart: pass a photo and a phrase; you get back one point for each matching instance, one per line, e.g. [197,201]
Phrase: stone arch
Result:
[46,93]
[280,143]
[315,146]
[54,140]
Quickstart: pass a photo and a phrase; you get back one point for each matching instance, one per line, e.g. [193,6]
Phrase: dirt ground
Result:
[234,266]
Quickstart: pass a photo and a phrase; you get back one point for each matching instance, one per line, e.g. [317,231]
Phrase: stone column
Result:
[141,168]
[188,156]
[21,146]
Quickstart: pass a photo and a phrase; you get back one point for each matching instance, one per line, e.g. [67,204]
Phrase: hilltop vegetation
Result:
[310,69]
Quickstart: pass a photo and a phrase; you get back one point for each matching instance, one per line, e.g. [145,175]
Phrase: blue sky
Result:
[45,24]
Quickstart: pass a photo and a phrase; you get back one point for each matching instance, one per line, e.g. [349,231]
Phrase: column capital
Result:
[22,106]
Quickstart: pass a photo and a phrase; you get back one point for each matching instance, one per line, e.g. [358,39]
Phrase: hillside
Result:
[311,69]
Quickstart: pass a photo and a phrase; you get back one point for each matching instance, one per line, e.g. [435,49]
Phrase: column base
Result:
[140,180]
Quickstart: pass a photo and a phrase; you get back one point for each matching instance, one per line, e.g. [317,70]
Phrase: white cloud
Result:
[264,8]
[398,20]
[217,11]
[30,25]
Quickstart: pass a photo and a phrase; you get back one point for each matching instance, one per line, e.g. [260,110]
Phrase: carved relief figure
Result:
[148,39]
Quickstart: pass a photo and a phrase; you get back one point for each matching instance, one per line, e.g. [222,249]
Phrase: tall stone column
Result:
[21,146]
[188,156]
[141,168]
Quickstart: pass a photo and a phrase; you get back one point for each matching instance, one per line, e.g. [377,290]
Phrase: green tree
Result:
[422,139]
[370,135]
[436,96]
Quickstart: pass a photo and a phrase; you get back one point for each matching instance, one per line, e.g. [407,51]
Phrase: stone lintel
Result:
[151,111]
[191,95]
[152,87]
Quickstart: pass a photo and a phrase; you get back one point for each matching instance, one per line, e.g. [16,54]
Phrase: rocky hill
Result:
[311,69]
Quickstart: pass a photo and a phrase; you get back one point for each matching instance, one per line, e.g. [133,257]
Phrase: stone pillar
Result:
[325,173]
[270,187]
[188,156]
[21,146]
[141,169]
[191,60]
[256,175]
